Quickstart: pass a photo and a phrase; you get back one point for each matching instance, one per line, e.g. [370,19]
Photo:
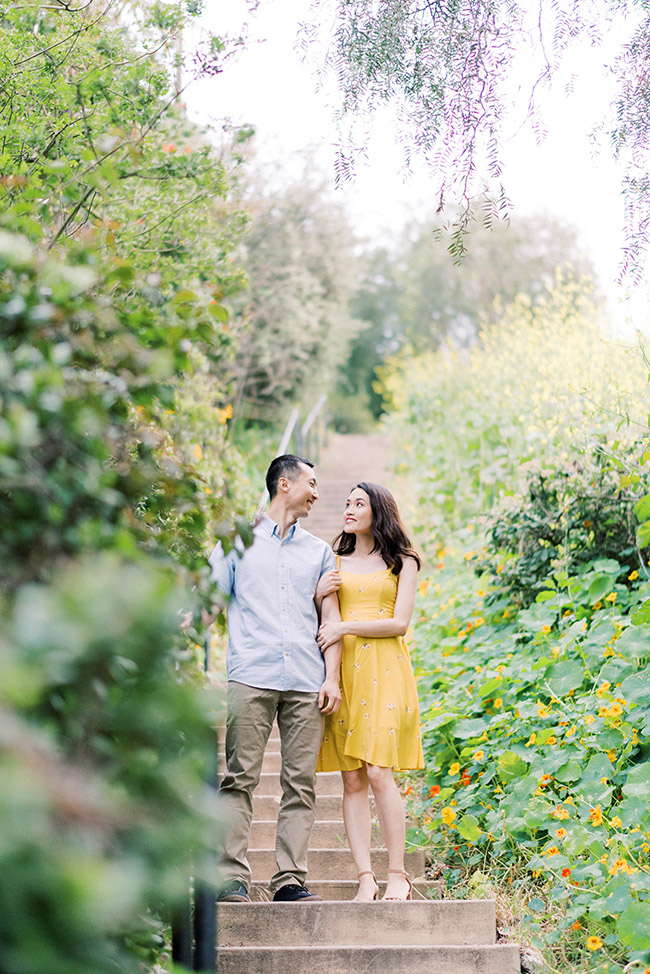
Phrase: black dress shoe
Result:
[292,893]
[234,892]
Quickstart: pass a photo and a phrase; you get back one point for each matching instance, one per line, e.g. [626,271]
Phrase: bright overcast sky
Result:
[270,87]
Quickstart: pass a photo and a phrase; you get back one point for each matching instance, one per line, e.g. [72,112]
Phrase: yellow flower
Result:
[560,833]
[498,703]
[603,688]
[615,822]
[594,943]
[198,452]
[589,719]
[448,815]
[479,755]
[531,740]
[543,709]
[571,731]
[454,769]
[553,851]
[546,630]
[611,597]
[560,813]
[596,815]
[612,755]
[551,740]
[632,577]
[223,415]
[423,586]
[597,606]
[500,668]
[615,710]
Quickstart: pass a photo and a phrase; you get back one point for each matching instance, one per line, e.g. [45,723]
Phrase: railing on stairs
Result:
[306,440]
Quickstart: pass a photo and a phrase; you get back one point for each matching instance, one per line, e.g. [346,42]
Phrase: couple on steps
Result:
[316,641]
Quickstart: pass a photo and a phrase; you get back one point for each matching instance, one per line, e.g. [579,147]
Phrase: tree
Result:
[448,68]
[416,295]
[300,265]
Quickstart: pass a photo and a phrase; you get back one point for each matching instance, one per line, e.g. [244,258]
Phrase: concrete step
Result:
[328,783]
[488,959]
[324,835]
[449,922]
[266,806]
[272,761]
[346,889]
[334,863]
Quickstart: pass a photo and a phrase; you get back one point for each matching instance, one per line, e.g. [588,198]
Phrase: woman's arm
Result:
[329,697]
[331,632]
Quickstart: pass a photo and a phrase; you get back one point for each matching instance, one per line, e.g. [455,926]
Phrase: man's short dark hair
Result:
[285,466]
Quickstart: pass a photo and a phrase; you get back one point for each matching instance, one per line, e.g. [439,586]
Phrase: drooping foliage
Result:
[451,71]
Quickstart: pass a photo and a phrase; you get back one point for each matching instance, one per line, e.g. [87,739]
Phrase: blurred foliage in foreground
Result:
[116,271]
[532,634]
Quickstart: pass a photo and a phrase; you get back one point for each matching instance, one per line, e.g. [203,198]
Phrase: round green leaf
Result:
[634,926]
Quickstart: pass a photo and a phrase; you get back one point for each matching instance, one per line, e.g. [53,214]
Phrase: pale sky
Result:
[270,87]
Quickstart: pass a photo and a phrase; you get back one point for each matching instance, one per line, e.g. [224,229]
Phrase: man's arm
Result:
[329,698]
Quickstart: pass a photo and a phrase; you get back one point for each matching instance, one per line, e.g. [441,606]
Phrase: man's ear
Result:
[283,484]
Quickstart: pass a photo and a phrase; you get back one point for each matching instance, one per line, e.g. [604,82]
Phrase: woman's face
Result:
[358,513]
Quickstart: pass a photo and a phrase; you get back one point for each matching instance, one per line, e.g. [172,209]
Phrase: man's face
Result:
[303,492]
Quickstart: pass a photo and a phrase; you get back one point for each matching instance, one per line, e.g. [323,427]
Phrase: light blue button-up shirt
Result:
[272,618]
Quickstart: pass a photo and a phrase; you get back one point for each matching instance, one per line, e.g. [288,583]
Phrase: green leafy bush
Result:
[532,632]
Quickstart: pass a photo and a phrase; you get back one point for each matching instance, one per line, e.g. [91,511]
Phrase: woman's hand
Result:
[330,633]
[328,583]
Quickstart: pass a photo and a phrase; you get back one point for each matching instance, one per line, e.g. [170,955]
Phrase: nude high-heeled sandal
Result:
[369,872]
[405,876]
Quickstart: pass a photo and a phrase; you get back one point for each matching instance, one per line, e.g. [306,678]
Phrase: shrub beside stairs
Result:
[337,936]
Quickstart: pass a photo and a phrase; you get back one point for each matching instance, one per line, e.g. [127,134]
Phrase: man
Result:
[275,668]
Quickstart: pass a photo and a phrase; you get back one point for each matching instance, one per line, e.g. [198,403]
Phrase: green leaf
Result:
[637,686]
[465,729]
[635,641]
[643,535]
[468,828]
[601,585]
[570,771]
[642,614]
[565,676]
[642,509]
[511,765]
[638,781]
[536,905]
[633,926]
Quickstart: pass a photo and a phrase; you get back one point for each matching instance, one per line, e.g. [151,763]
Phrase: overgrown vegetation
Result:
[532,631]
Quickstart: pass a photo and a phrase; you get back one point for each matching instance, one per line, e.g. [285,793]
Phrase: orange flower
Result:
[566,873]
[560,833]
[594,943]
[434,790]
[576,926]
[596,815]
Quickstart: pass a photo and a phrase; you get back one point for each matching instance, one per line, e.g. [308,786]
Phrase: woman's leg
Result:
[390,810]
[356,816]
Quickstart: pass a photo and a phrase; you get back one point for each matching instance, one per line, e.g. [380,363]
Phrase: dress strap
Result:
[338,563]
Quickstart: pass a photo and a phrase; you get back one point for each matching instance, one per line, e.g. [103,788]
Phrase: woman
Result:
[377,727]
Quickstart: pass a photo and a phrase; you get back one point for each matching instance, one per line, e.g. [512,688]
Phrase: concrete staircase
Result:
[337,936]
[348,459]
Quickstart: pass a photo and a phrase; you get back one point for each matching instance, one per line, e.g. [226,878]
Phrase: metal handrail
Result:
[303,436]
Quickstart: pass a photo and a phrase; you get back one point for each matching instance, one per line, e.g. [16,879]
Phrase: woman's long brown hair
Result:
[391,540]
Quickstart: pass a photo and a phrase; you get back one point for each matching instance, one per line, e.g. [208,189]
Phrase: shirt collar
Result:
[270,527]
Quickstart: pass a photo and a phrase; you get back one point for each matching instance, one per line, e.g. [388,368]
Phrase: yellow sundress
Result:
[378,721]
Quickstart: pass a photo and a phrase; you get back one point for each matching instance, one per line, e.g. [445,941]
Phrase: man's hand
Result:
[329,698]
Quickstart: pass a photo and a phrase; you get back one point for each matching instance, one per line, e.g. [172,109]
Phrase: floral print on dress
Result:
[376,680]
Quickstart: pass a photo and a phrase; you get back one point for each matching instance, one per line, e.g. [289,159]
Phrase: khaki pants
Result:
[251,712]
